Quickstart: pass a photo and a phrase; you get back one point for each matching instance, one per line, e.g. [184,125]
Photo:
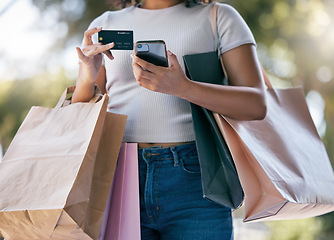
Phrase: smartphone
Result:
[152,51]
[123,39]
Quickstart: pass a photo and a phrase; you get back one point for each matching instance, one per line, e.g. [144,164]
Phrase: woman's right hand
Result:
[91,54]
[90,71]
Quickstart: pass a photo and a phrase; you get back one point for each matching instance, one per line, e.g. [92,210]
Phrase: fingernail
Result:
[169,53]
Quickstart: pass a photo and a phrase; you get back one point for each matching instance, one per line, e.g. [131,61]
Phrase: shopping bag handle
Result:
[64,100]
[214,29]
[266,78]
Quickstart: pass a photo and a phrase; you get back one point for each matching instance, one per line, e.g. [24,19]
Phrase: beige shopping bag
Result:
[56,174]
[282,163]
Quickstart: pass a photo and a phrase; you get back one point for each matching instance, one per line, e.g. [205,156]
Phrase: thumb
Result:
[173,59]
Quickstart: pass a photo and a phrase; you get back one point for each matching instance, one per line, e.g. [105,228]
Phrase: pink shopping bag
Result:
[122,216]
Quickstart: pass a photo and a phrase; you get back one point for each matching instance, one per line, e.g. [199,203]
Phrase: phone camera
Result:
[143,48]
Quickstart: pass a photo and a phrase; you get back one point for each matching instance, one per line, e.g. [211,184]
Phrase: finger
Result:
[110,45]
[141,74]
[90,47]
[95,49]
[88,35]
[81,56]
[144,64]
[109,54]
[173,59]
[143,82]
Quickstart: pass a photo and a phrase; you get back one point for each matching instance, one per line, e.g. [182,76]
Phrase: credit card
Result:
[123,39]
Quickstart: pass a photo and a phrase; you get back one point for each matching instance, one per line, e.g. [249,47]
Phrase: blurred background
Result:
[295,45]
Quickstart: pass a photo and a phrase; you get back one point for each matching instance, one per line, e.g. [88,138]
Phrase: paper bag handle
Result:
[64,101]
[214,29]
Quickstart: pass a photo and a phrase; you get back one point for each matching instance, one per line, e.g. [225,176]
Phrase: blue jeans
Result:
[172,206]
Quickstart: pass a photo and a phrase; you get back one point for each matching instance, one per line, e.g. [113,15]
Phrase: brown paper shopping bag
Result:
[56,174]
[282,163]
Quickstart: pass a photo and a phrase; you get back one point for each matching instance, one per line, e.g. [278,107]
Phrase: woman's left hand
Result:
[170,80]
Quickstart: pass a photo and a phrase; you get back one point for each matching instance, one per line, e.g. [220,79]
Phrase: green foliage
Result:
[305,229]
[327,231]
[17,97]
[76,14]
[304,29]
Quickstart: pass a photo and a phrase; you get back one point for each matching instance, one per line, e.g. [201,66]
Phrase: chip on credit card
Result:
[123,39]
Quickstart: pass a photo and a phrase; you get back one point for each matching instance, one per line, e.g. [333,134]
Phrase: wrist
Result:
[83,93]
[88,74]
[185,89]
[89,68]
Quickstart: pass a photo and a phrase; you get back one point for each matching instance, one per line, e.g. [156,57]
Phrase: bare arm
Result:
[91,71]
[244,99]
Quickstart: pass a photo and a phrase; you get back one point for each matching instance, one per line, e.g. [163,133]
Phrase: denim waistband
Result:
[167,153]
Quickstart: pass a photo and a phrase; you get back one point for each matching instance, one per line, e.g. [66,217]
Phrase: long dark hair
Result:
[125,3]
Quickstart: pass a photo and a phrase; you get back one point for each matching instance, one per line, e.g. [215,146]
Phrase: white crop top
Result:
[157,117]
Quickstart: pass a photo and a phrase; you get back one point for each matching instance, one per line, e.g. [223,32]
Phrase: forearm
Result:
[238,102]
[85,86]
[244,99]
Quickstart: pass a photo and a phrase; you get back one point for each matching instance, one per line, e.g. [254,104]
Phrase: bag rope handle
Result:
[64,101]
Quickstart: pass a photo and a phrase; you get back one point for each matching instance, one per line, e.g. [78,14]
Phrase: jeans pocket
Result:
[190,164]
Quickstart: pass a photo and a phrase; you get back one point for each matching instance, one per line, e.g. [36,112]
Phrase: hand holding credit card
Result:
[123,39]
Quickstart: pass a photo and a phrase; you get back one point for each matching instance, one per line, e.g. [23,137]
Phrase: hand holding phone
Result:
[152,51]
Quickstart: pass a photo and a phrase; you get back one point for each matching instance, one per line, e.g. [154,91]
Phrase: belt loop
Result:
[144,155]
[176,157]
